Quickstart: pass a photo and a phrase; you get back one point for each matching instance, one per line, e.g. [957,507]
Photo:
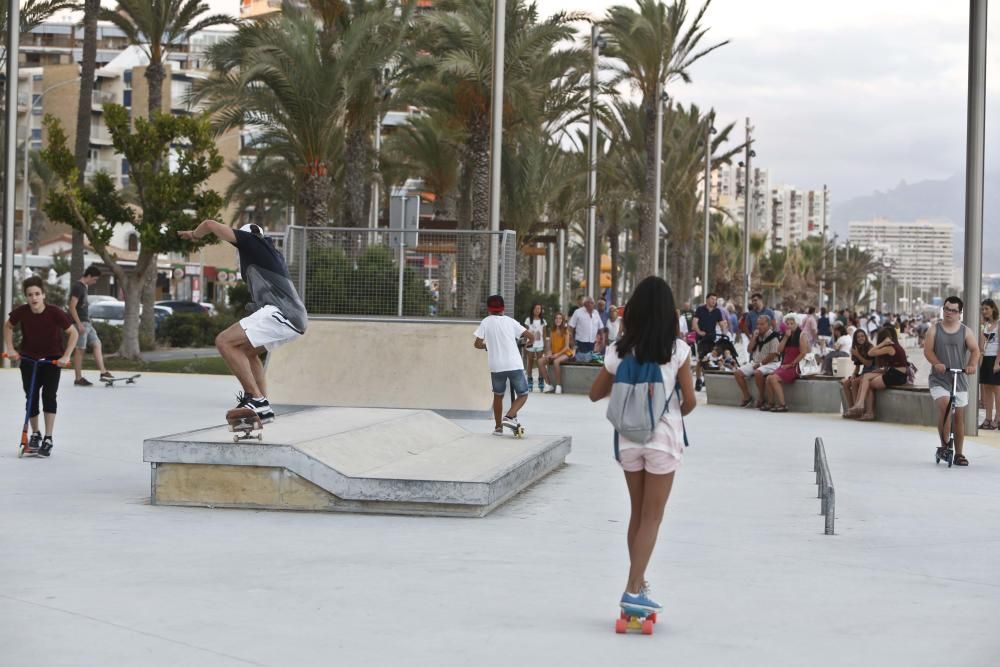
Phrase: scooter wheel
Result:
[20,451]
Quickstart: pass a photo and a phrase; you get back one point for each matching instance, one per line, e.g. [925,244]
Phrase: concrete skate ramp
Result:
[383,364]
[351,460]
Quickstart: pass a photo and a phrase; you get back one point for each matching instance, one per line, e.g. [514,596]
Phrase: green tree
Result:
[651,45]
[170,199]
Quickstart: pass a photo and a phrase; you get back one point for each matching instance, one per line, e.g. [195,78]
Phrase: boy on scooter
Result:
[42,329]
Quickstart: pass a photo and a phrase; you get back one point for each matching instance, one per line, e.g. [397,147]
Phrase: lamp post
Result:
[496,136]
[709,131]
[661,99]
[822,270]
[596,43]
[747,195]
[833,296]
[10,159]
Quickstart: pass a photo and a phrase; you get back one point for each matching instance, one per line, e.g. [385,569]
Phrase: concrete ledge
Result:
[577,378]
[351,459]
[823,394]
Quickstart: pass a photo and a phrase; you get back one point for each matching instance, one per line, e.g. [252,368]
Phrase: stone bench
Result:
[822,393]
[576,377]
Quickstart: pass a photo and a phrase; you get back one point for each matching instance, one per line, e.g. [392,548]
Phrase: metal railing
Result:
[825,492]
[411,273]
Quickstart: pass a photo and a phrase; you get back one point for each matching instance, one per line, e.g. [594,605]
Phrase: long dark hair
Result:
[888,331]
[650,322]
[861,347]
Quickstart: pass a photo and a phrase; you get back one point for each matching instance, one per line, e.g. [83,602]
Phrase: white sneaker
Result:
[558,388]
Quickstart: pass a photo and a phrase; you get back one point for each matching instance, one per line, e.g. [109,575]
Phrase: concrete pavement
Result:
[90,574]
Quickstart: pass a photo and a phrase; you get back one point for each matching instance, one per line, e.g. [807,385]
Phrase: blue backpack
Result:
[638,400]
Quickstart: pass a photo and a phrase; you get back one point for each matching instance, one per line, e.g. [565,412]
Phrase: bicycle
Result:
[946,451]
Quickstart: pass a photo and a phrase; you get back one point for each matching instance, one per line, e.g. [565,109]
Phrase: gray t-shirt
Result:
[951,350]
[79,290]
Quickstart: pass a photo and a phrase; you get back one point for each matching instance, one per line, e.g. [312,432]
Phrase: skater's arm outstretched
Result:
[221,231]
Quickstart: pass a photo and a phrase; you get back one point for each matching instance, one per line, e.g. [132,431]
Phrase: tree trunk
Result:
[315,197]
[615,261]
[130,329]
[155,74]
[147,319]
[83,114]
[357,190]
[474,251]
[648,234]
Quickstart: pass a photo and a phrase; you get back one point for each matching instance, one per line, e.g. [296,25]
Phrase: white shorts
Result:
[748,370]
[961,397]
[268,328]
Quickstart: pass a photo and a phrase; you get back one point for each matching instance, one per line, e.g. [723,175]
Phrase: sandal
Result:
[746,403]
[987,425]
[764,407]
[779,408]
[867,417]
[960,460]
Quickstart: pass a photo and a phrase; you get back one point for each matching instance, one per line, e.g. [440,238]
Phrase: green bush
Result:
[194,330]
[239,297]
[110,335]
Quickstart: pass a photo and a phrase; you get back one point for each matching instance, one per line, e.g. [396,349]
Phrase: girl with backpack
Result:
[650,338]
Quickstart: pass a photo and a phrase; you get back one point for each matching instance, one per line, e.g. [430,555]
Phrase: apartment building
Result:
[919,253]
[726,194]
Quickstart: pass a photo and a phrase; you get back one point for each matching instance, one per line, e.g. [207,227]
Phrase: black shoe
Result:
[34,443]
[46,447]
[83,382]
[698,385]
[261,406]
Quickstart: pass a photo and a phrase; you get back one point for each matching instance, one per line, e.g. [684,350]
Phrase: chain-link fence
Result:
[394,273]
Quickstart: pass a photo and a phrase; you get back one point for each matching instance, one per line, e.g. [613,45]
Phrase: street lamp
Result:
[661,100]
[833,296]
[496,136]
[596,44]
[10,161]
[709,131]
[747,195]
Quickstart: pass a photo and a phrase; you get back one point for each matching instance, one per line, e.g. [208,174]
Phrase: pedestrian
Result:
[534,352]
[651,335]
[706,321]
[79,312]
[42,330]
[989,369]
[584,327]
[278,315]
[498,335]
[951,345]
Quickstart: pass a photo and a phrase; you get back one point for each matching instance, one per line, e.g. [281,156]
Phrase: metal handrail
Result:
[825,491]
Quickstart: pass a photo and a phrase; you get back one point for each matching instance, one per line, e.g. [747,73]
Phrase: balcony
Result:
[108,166]
[100,136]
[100,98]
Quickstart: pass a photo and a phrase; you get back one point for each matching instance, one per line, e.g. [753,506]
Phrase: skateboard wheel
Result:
[652,617]
[647,627]
[623,616]
[620,625]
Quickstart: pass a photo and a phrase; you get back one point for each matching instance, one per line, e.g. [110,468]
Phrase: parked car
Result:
[183,307]
[210,307]
[94,298]
[113,313]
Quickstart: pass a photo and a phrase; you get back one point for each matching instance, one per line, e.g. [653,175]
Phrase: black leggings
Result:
[46,382]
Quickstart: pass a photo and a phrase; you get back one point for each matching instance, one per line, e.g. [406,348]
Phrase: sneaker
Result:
[34,443]
[46,447]
[511,422]
[558,388]
[106,375]
[83,382]
[259,405]
[531,386]
[641,601]
[551,389]
[498,430]
[541,387]
[698,385]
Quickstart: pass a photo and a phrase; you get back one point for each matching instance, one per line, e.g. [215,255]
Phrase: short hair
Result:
[92,272]
[956,301]
[495,304]
[710,295]
[757,295]
[764,318]
[32,281]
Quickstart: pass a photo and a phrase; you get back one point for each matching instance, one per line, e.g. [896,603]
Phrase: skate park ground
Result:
[91,574]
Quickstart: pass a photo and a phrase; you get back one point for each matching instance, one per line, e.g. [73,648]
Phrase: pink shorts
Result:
[654,461]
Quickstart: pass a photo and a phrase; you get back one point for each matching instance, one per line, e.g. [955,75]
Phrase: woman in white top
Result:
[535,324]
[614,325]
[989,367]
[651,335]
[841,347]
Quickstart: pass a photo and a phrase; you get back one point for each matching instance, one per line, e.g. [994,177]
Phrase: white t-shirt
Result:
[501,333]
[669,434]
[614,329]
[537,329]
[991,341]
[585,327]
[843,344]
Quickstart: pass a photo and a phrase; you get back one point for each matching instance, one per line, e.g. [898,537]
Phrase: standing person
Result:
[42,329]
[945,347]
[498,334]
[810,329]
[559,350]
[79,312]
[278,315]
[989,369]
[536,324]
[824,330]
[792,350]
[614,325]
[584,326]
[893,366]
[651,330]
[757,308]
[706,320]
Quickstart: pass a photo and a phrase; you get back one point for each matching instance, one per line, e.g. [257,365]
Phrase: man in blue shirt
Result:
[705,321]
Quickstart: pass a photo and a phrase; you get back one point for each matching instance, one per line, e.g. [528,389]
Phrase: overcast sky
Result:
[857,94]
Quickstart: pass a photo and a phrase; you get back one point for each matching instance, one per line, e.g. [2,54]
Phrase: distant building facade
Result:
[919,253]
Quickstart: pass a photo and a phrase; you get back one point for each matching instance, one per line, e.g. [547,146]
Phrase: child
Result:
[713,359]
[42,329]
[729,363]
[498,334]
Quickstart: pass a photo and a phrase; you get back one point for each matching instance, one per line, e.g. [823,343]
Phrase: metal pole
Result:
[822,270]
[708,183]
[975,150]
[496,134]
[747,196]
[657,177]
[26,212]
[833,297]
[402,260]
[562,270]
[376,194]
[591,244]
[10,158]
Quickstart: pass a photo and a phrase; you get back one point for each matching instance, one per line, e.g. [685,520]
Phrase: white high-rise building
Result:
[727,194]
[919,253]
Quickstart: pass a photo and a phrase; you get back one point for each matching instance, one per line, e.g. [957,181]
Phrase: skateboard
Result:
[110,382]
[518,430]
[243,422]
[636,620]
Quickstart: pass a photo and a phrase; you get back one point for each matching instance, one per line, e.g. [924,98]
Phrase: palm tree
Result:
[425,147]
[652,45]
[31,15]
[544,75]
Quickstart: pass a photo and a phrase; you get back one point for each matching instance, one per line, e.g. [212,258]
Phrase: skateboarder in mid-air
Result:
[277,314]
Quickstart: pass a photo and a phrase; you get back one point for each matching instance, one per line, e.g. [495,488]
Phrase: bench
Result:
[822,393]
[576,377]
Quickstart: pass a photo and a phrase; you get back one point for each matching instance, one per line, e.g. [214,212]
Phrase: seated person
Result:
[860,345]
[763,348]
[713,360]
[841,347]
[892,371]
[793,349]
[729,363]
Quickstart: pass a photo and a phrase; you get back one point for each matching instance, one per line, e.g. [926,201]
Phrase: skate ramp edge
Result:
[372,460]
[379,363]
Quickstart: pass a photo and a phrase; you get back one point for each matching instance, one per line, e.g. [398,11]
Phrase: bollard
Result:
[824,482]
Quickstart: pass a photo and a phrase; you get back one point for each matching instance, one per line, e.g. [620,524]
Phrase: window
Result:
[133,242]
